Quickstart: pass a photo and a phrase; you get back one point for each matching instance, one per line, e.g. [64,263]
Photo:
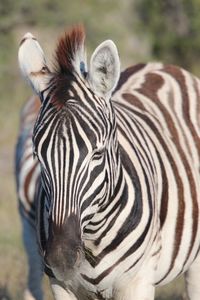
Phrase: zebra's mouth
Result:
[62,274]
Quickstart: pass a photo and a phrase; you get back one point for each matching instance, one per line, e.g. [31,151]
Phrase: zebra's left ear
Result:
[33,64]
[104,70]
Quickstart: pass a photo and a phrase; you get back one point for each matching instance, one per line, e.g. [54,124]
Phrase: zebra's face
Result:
[75,141]
[75,151]
[75,155]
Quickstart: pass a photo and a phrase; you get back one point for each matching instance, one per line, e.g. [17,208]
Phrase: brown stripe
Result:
[172,101]
[133,100]
[178,76]
[128,73]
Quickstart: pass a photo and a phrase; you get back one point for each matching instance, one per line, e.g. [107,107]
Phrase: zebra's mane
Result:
[70,52]
[69,60]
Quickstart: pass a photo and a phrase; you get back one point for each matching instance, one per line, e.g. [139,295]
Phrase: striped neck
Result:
[109,204]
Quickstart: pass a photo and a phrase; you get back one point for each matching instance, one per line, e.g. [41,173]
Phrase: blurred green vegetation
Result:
[173,27]
[143,30]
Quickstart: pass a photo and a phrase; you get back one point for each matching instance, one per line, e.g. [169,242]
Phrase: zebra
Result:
[27,174]
[119,155]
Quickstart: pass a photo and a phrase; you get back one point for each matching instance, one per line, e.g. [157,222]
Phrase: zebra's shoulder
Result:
[29,112]
[152,75]
[136,71]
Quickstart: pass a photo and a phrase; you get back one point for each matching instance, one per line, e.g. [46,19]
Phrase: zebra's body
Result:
[138,117]
[158,116]
[27,173]
[27,169]
[121,177]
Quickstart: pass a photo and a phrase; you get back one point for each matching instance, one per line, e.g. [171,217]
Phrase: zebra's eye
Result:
[98,153]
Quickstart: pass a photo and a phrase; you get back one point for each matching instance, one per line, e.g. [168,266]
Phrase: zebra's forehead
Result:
[69,92]
[72,104]
[70,126]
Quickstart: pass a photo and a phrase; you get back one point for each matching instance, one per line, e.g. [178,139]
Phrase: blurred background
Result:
[144,30]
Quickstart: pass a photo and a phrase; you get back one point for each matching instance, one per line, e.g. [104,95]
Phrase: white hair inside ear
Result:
[104,70]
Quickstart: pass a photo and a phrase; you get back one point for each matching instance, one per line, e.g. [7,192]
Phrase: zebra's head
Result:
[74,138]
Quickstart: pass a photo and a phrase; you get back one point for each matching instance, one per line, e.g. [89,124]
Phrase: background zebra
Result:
[121,177]
[27,173]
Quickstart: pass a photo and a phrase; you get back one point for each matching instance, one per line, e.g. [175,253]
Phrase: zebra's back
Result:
[158,117]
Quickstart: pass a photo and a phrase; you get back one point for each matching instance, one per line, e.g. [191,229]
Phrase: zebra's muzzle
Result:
[64,251]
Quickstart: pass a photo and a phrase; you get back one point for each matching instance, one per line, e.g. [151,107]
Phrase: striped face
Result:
[77,150]
[74,144]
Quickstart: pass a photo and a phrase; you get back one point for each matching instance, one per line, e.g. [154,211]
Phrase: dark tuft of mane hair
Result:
[68,45]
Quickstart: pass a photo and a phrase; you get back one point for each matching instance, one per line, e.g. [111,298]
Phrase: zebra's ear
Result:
[32,63]
[104,70]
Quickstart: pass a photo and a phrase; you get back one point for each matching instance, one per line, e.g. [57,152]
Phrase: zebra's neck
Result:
[127,205]
[114,182]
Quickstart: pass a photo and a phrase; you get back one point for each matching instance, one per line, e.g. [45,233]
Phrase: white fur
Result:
[32,61]
[104,68]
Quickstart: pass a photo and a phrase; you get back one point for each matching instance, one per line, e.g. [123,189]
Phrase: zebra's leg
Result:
[192,279]
[141,286]
[59,292]
[136,290]
[35,265]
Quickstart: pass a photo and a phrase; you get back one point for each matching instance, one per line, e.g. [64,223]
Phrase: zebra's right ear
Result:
[33,64]
[104,68]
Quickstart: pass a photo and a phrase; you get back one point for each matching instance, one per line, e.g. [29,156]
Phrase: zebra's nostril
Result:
[74,258]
